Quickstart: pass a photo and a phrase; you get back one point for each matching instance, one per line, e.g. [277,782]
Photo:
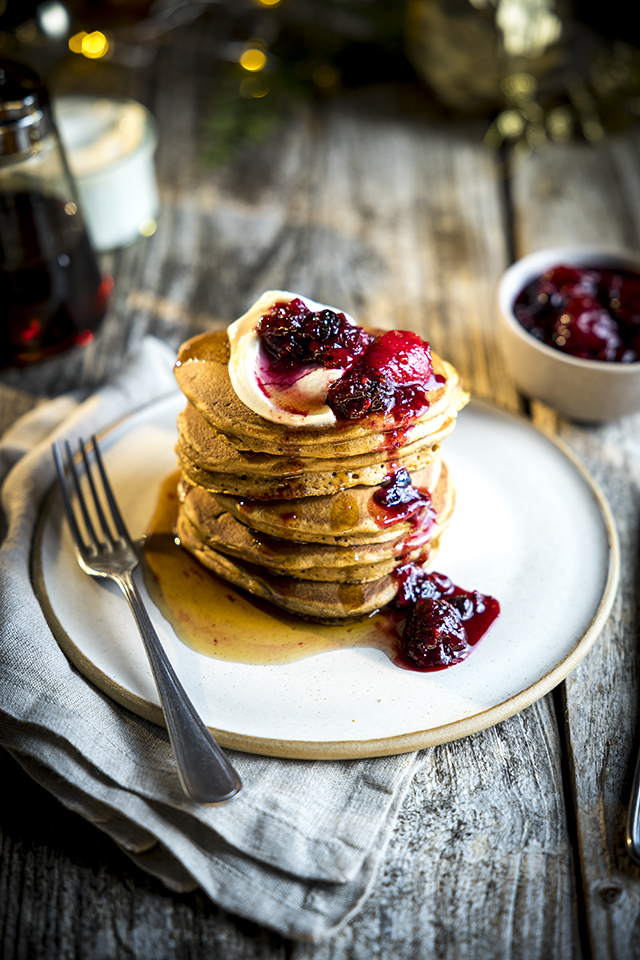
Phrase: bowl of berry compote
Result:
[571,330]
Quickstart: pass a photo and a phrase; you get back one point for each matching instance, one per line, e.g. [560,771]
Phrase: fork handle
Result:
[205,772]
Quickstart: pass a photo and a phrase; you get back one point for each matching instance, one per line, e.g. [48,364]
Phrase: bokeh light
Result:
[254,87]
[253,59]
[148,227]
[54,19]
[95,45]
[92,45]
[75,42]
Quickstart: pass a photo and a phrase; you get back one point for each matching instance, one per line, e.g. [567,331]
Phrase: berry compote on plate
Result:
[586,312]
[443,622]
[437,622]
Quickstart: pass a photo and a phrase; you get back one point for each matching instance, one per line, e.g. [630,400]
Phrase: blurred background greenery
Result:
[535,70]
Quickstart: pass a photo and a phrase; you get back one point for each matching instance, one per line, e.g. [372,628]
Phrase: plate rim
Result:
[350,749]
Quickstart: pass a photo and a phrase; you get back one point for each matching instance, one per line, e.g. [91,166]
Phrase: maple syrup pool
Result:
[215,618]
[219,620]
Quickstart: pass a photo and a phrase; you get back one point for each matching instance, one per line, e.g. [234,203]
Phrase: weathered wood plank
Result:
[592,195]
[67,892]
[479,865]
[378,209]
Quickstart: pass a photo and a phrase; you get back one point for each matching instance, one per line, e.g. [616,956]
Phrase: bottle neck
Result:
[23,126]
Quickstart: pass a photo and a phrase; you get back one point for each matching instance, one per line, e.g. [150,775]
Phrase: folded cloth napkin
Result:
[298,851]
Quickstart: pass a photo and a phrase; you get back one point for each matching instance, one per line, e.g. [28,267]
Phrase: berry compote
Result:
[443,622]
[390,374]
[393,376]
[296,336]
[586,312]
[397,500]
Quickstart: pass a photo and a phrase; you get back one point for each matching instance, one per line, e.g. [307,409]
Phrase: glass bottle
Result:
[52,295]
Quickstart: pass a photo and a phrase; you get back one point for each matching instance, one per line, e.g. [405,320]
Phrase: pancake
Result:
[316,600]
[212,451]
[314,518]
[202,519]
[341,567]
[202,374]
[308,484]
[343,519]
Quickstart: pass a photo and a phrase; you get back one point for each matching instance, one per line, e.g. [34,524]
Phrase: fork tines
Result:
[101,495]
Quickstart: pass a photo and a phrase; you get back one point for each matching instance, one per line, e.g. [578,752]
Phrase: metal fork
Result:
[633,817]
[205,772]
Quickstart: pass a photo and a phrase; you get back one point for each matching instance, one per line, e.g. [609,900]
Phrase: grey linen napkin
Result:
[298,851]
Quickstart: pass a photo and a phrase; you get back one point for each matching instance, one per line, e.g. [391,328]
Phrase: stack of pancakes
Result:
[290,514]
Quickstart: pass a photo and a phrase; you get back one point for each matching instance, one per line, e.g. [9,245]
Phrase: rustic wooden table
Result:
[510,843]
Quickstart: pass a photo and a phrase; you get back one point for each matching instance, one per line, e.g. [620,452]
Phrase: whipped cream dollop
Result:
[296,398]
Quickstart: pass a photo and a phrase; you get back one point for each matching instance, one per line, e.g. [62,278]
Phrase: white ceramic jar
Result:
[110,146]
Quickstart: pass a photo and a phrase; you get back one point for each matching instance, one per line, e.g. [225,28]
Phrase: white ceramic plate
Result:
[530,528]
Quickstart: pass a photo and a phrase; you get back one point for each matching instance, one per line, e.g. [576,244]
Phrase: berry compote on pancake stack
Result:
[310,465]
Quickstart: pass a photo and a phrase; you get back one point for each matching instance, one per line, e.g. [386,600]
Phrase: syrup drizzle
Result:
[219,620]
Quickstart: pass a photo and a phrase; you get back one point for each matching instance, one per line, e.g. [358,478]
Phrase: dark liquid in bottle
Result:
[51,293]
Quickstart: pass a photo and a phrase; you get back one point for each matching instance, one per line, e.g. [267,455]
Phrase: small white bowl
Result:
[587,390]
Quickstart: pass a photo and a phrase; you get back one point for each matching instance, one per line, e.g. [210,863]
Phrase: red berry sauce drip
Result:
[443,621]
[391,374]
[397,500]
[585,312]
[394,439]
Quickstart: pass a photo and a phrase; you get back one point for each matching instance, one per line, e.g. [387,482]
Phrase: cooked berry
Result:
[537,317]
[443,622]
[589,313]
[442,582]
[358,394]
[434,635]
[394,374]
[397,488]
[572,282]
[280,329]
[342,350]
[587,330]
[622,298]
[464,606]
[468,604]
[398,501]
[415,583]
[628,356]
[633,350]
[324,325]
[403,356]
[294,336]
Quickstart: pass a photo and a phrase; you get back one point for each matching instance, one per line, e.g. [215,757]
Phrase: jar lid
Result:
[24,108]
[100,133]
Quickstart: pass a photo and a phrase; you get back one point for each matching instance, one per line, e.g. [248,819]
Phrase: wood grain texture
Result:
[479,865]
[370,204]
[593,194]
[67,892]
